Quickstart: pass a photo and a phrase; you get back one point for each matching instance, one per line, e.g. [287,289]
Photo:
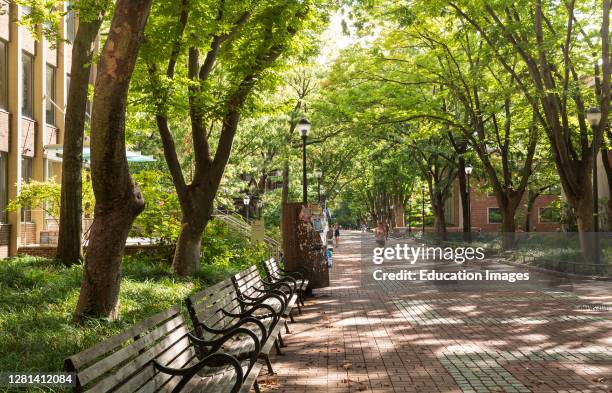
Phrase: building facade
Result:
[34,80]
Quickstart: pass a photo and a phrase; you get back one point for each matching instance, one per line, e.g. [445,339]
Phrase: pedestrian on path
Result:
[337,234]
[380,234]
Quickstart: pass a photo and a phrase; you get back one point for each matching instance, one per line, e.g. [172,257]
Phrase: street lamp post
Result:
[259,206]
[594,117]
[423,209]
[246,200]
[468,172]
[319,174]
[304,129]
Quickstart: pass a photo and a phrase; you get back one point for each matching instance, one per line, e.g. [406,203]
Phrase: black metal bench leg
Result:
[287,327]
[281,341]
[268,364]
[256,387]
[277,347]
[291,317]
[297,303]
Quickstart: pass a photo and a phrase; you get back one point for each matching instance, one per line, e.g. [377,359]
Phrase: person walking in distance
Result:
[380,234]
[337,234]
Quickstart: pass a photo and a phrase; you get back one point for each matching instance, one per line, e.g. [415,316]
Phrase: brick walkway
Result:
[390,337]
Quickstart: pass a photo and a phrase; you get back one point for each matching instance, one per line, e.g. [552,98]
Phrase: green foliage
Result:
[47,196]
[38,298]
[38,195]
[225,252]
[161,218]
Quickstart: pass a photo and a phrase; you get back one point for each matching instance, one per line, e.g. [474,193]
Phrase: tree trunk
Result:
[399,212]
[118,198]
[69,245]
[187,254]
[508,211]
[437,206]
[607,164]
[584,218]
[531,198]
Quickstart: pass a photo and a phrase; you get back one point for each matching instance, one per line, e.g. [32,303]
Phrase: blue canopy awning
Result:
[55,152]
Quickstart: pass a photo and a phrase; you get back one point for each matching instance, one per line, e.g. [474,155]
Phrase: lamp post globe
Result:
[246,200]
[319,175]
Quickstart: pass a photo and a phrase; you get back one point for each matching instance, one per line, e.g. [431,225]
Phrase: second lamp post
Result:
[594,117]
[247,203]
[423,208]
[468,172]
[304,129]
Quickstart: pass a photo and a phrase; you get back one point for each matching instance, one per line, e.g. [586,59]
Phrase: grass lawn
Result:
[39,296]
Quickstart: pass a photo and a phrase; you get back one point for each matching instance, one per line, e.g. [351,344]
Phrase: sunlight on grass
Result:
[39,296]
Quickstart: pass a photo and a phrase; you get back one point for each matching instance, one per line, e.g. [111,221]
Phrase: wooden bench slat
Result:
[125,353]
[139,362]
[93,353]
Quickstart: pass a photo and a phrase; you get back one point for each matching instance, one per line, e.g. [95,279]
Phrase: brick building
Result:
[486,215]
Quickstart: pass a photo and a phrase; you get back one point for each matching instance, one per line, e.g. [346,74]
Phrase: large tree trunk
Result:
[508,211]
[118,198]
[584,217]
[531,198]
[607,164]
[69,246]
[399,211]
[437,205]
[187,254]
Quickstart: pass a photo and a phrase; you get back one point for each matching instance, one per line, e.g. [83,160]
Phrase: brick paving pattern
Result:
[358,336]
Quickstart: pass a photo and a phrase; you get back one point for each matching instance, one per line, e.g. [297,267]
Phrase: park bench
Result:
[218,309]
[158,355]
[251,287]
[276,274]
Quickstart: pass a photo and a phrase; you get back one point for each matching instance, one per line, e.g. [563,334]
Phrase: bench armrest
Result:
[218,343]
[251,310]
[280,284]
[291,273]
[284,279]
[276,291]
[212,359]
[268,293]
[228,330]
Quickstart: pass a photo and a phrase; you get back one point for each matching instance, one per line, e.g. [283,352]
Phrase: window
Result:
[3,186]
[549,214]
[50,101]
[3,75]
[27,105]
[26,175]
[494,215]
[70,26]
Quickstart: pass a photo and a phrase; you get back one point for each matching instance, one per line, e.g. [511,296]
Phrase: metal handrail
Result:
[245,228]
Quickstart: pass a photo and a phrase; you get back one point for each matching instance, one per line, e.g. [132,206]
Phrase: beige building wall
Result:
[25,133]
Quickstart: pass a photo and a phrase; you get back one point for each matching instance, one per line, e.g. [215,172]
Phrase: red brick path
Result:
[402,338]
